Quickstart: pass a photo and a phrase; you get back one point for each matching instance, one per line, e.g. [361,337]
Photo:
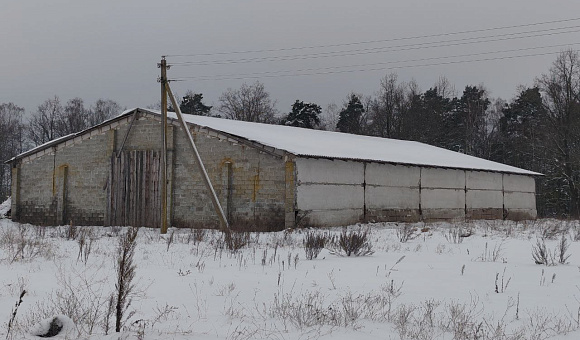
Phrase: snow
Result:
[328,144]
[62,322]
[189,288]
[317,143]
[5,206]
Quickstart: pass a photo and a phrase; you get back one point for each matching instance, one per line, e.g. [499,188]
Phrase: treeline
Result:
[538,130]
[51,120]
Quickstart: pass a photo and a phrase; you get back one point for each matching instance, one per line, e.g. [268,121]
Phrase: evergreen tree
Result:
[191,104]
[520,128]
[466,122]
[350,117]
[305,115]
[424,121]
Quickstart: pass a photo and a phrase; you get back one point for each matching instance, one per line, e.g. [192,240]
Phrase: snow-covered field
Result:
[436,285]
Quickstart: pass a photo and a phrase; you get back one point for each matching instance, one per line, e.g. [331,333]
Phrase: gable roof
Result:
[337,145]
[323,144]
[87,133]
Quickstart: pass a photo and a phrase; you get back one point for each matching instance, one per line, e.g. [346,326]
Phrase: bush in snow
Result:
[22,244]
[405,233]
[353,242]
[562,250]
[314,243]
[541,254]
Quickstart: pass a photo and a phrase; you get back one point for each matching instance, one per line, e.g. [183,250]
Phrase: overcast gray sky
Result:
[109,49]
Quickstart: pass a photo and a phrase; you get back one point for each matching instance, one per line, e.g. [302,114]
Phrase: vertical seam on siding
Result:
[364,185]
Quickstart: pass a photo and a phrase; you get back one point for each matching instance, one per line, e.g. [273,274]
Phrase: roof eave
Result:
[527,173]
[63,139]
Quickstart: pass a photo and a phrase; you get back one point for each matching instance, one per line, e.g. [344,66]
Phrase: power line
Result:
[375,41]
[396,48]
[228,76]
[366,70]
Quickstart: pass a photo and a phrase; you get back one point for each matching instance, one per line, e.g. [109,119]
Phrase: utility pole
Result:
[163,80]
[165,92]
[203,172]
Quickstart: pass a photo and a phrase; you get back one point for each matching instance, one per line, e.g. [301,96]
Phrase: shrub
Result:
[405,233]
[540,253]
[85,241]
[562,250]
[353,242]
[22,245]
[492,254]
[314,242]
[81,296]
[234,240]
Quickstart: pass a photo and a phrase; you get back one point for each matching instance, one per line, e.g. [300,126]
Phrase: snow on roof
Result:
[327,144]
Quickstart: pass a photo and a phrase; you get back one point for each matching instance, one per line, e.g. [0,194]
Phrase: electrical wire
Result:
[390,62]
[376,41]
[364,70]
[397,48]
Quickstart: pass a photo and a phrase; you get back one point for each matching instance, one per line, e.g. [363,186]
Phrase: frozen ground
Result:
[436,285]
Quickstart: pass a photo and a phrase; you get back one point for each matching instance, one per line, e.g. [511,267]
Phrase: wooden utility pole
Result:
[163,80]
[216,203]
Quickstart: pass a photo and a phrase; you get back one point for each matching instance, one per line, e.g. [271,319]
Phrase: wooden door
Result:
[134,193]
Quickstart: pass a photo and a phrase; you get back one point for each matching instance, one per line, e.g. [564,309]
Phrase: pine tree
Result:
[350,117]
[466,121]
[305,115]
[191,104]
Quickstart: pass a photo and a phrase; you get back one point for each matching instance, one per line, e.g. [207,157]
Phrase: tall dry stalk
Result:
[124,288]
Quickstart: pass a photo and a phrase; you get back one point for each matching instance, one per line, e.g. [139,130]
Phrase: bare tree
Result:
[250,103]
[560,90]
[329,117]
[385,111]
[11,142]
[42,126]
[73,118]
[102,110]
[445,89]
[51,120]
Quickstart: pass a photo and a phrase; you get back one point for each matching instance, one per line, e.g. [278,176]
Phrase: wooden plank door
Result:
[134,195]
